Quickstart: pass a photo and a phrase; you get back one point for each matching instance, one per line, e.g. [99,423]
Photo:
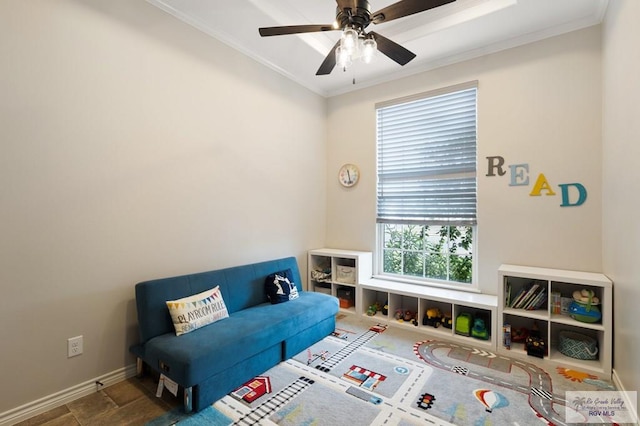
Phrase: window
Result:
[426,201]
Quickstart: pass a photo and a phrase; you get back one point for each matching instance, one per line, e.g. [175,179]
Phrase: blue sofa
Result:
[214,360]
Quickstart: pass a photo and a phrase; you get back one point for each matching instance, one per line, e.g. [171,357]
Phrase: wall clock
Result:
[348,175]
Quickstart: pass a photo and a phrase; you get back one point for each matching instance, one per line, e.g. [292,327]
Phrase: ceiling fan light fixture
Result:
[369,49]
[349,40]
[352,18]
[343,58]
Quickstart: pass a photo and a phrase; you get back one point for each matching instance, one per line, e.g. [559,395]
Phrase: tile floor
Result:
[131,402]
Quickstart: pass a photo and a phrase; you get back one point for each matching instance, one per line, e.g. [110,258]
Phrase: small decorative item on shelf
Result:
[385,308]
[432,317]
[399,314]
[583,307]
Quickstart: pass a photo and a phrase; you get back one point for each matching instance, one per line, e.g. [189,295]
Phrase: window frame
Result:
[380,224]
[428,282]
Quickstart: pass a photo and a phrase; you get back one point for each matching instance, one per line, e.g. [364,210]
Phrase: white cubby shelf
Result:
[344,269]
[418,298]
[397,296]
[514,278]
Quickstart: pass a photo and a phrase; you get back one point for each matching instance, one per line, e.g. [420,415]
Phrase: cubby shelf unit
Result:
[551,324]
[419,298]
[398,296]
[344,269]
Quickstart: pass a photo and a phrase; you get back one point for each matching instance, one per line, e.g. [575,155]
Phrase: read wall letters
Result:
[572,194]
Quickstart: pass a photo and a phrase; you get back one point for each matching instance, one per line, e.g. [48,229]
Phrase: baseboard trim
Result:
[620,386]
[65,396]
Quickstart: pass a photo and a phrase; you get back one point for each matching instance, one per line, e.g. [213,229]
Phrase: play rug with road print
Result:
[368,374]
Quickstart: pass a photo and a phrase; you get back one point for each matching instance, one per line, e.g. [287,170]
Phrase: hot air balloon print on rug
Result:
[490,399]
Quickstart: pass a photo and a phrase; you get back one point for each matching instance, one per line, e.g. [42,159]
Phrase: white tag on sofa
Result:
[169,384]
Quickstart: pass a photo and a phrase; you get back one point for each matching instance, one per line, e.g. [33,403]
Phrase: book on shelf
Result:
[529,297]
[538,301]
[525,296]
[518,297]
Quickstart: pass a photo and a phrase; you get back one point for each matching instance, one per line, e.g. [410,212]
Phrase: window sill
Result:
[448,294]
[468,288]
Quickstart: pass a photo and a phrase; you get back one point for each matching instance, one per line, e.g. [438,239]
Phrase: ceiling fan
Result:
[352,18]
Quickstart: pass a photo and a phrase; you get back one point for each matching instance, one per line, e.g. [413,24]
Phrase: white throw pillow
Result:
[193,312]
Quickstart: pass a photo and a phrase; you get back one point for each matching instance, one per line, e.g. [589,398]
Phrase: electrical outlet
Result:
[74,346]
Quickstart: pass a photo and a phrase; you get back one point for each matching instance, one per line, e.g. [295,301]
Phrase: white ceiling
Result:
[451,33]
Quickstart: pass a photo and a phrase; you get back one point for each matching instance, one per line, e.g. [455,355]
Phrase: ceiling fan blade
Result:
[329,61]
[393,50]
[294,29]
[405,8]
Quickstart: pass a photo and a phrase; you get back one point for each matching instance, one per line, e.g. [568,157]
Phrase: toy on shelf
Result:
[447,321]
[519,335]
[535,346]
[479,330]
[583,307]
[406,316]
[432,317]
[411,317]
[506,336]
[374,308]
[463,324]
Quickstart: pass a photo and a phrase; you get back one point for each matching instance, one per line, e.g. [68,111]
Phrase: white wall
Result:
[133,147]
[538,104]
[621,175]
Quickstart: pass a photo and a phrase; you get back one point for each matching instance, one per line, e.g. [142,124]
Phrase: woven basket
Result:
[579,346]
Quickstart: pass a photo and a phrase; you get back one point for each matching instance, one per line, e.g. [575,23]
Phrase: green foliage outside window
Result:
[435,252]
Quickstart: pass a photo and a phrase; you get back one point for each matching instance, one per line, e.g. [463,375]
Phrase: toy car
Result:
[432,317]
[479,330]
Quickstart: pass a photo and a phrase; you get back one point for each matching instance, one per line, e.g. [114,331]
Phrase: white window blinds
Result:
[427,159]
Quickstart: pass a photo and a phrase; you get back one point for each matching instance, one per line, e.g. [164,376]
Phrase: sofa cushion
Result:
[209,350]
[280,287]
[193,312]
